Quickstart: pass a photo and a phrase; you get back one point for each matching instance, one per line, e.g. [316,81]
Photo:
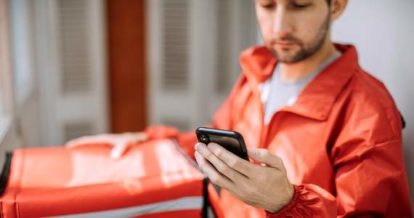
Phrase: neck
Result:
[296,71]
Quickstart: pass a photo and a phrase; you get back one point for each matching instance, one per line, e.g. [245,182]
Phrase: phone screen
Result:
[229,143]
[230,140]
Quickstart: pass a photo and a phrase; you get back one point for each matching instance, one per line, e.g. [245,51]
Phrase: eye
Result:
[267,4]
[299,6]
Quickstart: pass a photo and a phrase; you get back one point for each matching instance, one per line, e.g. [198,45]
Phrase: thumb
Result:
[119,149]
[264,156]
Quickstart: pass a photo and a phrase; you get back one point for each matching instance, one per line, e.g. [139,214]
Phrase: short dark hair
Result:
[329,2]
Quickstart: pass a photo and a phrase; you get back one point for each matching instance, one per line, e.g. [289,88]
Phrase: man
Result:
[325,135]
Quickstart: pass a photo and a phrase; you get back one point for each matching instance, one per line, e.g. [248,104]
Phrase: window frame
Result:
[8,134]
[6,81]
[21,32]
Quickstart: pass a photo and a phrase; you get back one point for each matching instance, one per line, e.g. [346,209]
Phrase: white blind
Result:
[76,73]
[224,46]
[175,44]
[74,130]
[181,123]
[5,68]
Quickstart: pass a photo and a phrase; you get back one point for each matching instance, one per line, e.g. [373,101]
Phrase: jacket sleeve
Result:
[370,177]
[369,182]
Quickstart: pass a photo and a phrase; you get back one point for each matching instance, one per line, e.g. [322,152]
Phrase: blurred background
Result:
[70,68]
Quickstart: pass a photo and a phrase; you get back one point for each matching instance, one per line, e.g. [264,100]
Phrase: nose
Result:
[281,23]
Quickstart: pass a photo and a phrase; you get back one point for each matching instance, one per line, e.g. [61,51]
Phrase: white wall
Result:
[383,32]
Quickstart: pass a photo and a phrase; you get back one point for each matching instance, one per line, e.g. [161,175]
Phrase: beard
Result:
[305,49]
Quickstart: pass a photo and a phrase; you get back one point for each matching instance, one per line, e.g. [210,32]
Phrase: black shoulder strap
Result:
[403,122]
[4,177]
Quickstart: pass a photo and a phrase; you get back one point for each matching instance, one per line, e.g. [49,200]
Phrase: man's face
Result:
[293,29]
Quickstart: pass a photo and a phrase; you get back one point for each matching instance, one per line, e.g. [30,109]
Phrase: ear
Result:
[337,8]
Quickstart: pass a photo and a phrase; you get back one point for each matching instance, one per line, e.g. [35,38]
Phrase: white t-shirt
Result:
[276,93]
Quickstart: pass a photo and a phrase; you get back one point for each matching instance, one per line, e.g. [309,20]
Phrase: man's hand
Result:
[264,186]
[120,142]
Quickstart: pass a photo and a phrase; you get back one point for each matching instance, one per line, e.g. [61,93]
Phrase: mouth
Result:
[284,41]
[284,44]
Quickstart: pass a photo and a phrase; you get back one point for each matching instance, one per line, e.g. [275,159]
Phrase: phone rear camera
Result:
[204,138]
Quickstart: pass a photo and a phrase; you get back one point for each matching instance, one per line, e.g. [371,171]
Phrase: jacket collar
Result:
[318,98]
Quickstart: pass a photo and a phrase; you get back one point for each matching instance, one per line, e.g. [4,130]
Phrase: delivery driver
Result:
[325,134]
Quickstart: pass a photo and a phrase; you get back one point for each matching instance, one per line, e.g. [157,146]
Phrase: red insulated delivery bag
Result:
[153,179]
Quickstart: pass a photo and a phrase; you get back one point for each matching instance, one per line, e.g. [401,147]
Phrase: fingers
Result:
[120,142]
[221,166]
[119,149]
[132,137]
[75,142]
[214,176]
[141,136]
[264,156]
[232,160]
[89,140]
[123,141]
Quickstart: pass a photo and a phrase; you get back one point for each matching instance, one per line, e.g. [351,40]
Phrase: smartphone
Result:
[230,140]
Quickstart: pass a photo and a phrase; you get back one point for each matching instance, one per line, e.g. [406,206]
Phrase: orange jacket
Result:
[340,142]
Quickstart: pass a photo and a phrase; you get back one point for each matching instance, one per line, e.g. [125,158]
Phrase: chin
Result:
[284,56]
[286,60]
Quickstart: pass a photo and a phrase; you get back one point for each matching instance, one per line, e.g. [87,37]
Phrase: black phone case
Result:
[230,140]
